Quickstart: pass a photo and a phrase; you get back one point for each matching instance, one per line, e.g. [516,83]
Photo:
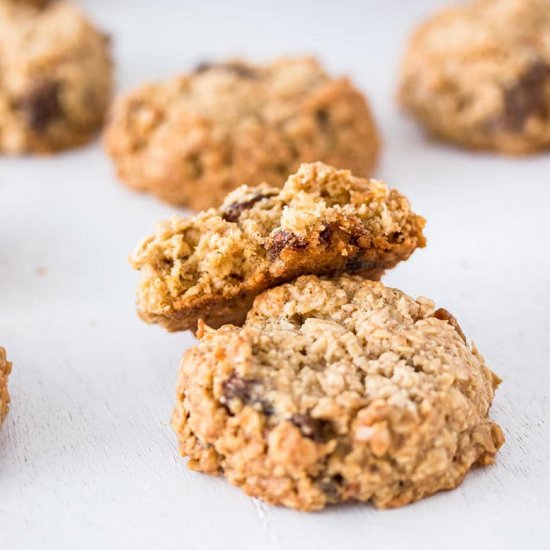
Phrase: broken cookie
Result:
[323,221]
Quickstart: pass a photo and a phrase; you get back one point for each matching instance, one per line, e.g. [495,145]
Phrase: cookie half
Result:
[337,390]
[56,77]
[323,221]
[5,369]
[192,139]
[479,75]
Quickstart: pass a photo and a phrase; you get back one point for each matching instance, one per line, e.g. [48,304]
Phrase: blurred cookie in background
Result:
[479,75]
[5,369]
[56,77]
[194,138]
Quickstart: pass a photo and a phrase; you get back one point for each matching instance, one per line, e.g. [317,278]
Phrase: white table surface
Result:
[87,457]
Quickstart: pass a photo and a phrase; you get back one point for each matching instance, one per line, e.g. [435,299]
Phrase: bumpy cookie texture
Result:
[323,221]
[337,390]
[55,77]
[5,369]
[193,139]
[479,75]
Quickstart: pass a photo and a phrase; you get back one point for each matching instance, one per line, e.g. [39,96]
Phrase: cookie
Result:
[337,390]
[479,75]
[56,77]
[5,369]
[193,139]
[322,221]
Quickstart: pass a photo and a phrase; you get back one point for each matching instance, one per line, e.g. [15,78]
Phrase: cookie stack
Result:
[313,383]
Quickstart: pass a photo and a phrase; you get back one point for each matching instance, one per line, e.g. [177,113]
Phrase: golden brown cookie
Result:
[55,77]
[193,139]
[337,390]
[5,369]
[323,221]
[479,75]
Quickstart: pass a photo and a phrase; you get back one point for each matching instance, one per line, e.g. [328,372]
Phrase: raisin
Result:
[267,408]
[332,487]
[236,387]
[443,315]
[322,117]
[325,236]
[239,388]
[238,69]
[526,98]
[284,239]
[233,212]
[396,237]
[203,67]
[296,319]
[41,105]
[314,428]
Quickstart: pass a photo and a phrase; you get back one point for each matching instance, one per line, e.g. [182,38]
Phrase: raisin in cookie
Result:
[193,139]
[322,221]
[5,369]
[55,77]
[337,390]
[479,75]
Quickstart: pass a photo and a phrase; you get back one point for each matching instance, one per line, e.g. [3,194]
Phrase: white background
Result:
[87,457]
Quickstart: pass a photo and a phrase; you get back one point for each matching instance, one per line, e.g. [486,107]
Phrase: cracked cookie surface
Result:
[192,139]
[5,369]
[55,77]
[323,221]
[337,390]
[479,75]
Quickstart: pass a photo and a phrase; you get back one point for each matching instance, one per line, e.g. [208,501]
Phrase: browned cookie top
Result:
[322,221]
[192,139]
